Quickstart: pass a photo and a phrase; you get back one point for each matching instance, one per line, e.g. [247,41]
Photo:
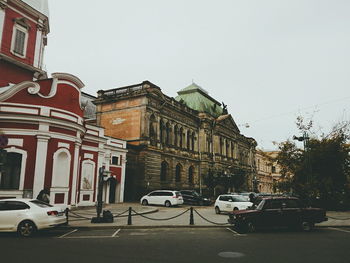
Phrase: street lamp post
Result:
[101,174]
[305,140]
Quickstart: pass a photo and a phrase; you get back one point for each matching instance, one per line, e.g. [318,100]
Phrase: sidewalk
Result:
[155,215]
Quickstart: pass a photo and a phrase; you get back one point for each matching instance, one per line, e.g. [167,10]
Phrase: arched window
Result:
[152,129]
[11,174]
[192,141]
[161,130]
[190,175]
[181,136]
[167,130]
[163,171]
[176,139]
[232,149]
[178,173]
[188,140]
[227,148]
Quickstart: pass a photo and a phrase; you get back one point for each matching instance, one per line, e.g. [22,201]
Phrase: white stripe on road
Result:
[338,229]
[116,232]
[90,237]
[66,234]
[234,232]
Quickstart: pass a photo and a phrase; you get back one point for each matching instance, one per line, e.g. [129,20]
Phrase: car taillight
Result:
[52,213]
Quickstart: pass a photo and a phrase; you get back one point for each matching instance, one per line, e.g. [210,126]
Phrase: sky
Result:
[270,61]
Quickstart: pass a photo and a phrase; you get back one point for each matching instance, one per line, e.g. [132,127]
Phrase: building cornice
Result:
[23,65]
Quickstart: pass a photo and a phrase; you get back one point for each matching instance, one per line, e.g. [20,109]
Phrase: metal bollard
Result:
[191,216]
[66,212]
[129,217]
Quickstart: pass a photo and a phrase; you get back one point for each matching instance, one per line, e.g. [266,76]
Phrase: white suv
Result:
[229,202]
[163,197]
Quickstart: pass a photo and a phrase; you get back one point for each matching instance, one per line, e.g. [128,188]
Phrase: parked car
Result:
[26,216]
[229,202]
[277,212]
[163,197]
[191,197]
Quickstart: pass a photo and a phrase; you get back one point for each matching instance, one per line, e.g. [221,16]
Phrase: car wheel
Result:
[26,228]
[167,204]
[307,226]
[217,210]
[144,202]
[235,209]
[250,227]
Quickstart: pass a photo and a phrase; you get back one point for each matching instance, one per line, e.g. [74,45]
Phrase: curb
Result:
[160,226]
[139,227]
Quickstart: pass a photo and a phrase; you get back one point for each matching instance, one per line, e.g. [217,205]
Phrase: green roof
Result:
[198,99]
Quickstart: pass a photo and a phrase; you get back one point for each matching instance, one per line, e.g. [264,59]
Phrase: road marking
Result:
[66,234]
[116,232]
[337,229]
[228,254]
[90,237]
[234,232]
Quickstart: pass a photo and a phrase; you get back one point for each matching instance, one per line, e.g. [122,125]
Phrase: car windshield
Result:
[196,194]
[40,203]
[259,206]
[240,199]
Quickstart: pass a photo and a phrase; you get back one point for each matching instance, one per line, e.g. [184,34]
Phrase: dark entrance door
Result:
[112,187]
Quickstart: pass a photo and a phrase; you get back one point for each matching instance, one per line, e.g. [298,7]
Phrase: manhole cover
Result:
[231,254]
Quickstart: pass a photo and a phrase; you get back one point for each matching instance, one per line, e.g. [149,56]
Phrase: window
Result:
[192,141]
[178,173]
[188,140]
[19,40]
[273,169]
[163,171]
[16,205]
[10,177]
[115,160]
[190,175]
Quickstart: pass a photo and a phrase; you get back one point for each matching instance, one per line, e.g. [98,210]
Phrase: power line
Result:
[304,108]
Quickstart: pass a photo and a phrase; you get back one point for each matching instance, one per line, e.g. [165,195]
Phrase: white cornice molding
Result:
[32,87]
[69,77]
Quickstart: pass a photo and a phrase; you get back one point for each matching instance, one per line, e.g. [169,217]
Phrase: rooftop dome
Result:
[41,5]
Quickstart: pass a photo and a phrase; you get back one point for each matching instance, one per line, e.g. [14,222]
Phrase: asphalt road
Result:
[178,245]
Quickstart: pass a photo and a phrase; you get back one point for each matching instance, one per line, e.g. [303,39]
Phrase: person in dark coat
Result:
[44,196]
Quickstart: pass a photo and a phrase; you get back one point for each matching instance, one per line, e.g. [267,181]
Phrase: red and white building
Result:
[50,143]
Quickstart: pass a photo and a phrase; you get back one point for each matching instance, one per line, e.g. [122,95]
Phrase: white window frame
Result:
[13,41]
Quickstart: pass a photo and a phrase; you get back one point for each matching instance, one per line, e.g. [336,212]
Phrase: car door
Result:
[225,203]
[186,197]
[6,217]
[162,197]
[152,198]
[11,213]
[271,214]
[291,212]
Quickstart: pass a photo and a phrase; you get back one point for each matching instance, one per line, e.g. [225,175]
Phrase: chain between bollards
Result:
[191,216]
[129,217]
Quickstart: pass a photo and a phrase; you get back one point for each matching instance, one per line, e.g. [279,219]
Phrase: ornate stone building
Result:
[268,171]
[174,143]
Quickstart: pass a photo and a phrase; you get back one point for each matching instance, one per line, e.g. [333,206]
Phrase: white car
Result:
[26,216]
[229,202]
[163,197]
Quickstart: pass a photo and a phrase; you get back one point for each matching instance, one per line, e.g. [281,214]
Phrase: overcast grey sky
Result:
[268,60]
